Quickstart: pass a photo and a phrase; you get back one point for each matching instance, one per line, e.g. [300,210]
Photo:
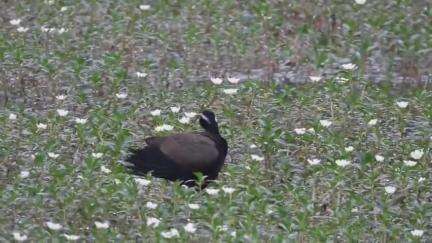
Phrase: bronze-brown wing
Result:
[190,150]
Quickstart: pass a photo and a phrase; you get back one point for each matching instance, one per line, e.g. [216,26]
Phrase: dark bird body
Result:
[180,156]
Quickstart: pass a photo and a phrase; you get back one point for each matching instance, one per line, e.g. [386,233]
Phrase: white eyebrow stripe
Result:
[205,118]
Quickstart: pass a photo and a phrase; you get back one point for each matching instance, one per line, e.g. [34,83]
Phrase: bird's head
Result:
[208,122]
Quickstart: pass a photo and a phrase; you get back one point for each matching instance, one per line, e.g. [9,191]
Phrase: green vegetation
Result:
[343,156]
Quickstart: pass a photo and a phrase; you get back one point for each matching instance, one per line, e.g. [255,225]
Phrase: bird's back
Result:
[195,151]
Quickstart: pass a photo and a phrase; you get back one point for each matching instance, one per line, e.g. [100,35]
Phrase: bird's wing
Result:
[190,150]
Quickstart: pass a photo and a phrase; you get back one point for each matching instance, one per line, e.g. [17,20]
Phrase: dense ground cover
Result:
[336,158]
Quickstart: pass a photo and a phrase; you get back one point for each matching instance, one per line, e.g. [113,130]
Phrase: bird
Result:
[179,157]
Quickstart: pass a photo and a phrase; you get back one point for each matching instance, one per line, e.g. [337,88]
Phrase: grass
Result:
[278,194]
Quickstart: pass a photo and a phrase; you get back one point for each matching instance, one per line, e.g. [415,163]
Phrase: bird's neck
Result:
[213,130]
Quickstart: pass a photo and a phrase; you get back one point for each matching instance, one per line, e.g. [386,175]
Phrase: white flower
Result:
[379,158]
[12,116]
[80,120]
[342,162]
[151,205]
[41,126]
[233,80]
[325,123]
[170,234]
[402,104]
[22,29]
[390,189]
[71,237]
[193,206]
[372,122]
[62,112]
[417,232]
[190,114]
[62,30]
[154,222]
[61,97]
[184,120]
[15,21]
[421,179]
[18,236]
[141,74]
[233,234]
[63,9]
[341,80]
[216,80]
[190,228]
[361,2]
[175,109]
[252,146]
[314,161]
[230,91]
[212,191]
[349,149]
[24,174]
[142,181]
[349,66]
[44,28]
[47,29]
[53,226]
[121,95]
[224,227]
[417,154]
[315,78]
[156,112]
[311,130]
[102,225]
[410,163]
[257,157]
[164,127]
[97,155]
[117,181]
[105,170]
[144,7]
[53,155]
[300,131]
[228,190]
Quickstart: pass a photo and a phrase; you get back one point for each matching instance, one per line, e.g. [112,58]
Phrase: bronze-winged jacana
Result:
[179,157]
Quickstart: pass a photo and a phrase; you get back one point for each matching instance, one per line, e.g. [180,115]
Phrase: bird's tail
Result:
[138,161]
